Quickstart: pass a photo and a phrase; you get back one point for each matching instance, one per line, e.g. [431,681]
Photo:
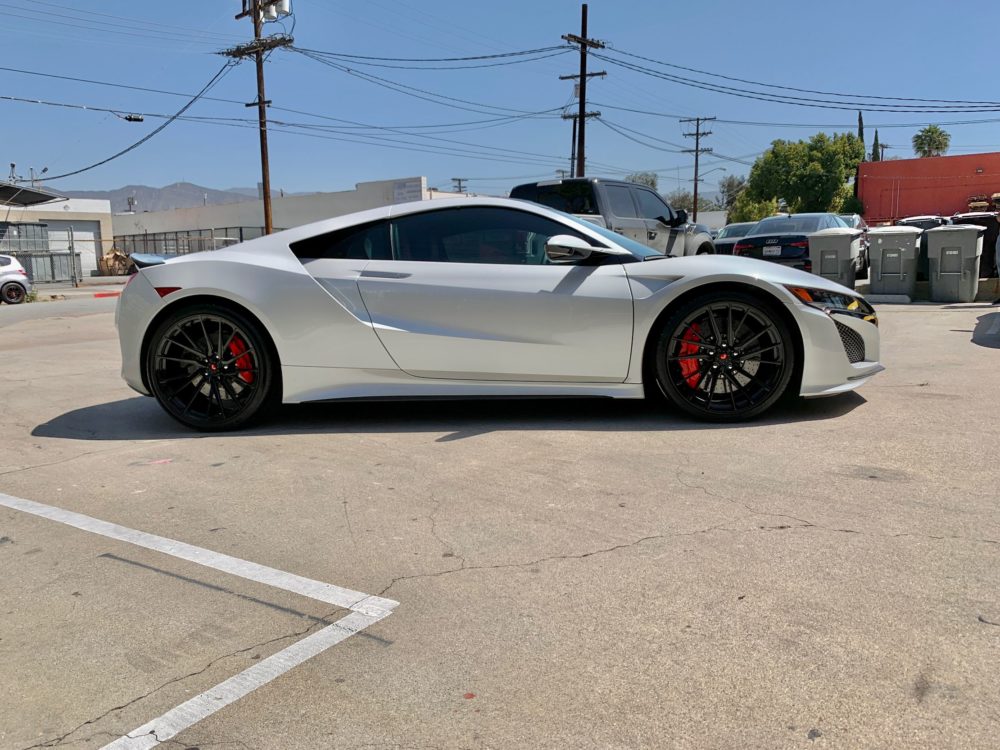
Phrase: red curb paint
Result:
[107,294]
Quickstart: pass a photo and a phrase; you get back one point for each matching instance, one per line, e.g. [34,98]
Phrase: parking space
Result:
[569,574]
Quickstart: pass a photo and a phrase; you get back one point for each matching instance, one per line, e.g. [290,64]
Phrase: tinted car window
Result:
[368,241]
[4,260]
[787,225]
[651,206]
[620,201]
[570,197]
[476,235]
[735,230]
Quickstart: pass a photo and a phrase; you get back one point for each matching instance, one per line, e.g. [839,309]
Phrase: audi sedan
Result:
[481,298]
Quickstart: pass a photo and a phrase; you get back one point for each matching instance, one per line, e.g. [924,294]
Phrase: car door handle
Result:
[385,275]
[650,235]
[616,229]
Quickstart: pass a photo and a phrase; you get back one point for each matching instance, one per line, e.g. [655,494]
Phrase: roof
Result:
[20,195]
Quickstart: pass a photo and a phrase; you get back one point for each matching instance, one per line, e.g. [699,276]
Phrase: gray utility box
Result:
[834,254]
[953,254]
[894,253]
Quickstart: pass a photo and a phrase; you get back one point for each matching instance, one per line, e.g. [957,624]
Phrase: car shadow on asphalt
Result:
[987,331]
[140,418]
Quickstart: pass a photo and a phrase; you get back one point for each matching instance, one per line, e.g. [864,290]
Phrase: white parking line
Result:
[365,610]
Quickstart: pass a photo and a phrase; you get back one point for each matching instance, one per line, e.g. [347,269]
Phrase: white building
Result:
[53,226]
[185,230]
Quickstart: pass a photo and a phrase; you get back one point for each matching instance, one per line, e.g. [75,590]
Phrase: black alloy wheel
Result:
[211,368]
[724,357]
[13,293]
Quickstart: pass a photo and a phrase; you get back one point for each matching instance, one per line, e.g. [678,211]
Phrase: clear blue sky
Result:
[881,48]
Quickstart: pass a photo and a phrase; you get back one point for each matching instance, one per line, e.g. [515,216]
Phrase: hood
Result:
[732,268]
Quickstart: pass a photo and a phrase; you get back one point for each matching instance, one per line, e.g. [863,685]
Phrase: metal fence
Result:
[44,267]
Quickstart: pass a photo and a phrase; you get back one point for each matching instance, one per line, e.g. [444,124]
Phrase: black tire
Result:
[706,250]
[13,293]
[701,363]
[212,368]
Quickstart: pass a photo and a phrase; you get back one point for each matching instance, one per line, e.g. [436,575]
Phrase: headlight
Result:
[833,303]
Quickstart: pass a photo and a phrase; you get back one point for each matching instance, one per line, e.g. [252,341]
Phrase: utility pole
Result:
[258,10]
[457,183]
[698,134]
[580,119]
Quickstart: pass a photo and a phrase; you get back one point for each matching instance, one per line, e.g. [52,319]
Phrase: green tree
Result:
[876,148]
[682,198]
[931,141]
[730,188]
[643,178]
[746,209]
[807,175]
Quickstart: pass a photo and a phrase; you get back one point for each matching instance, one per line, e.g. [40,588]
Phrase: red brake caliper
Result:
[690,367]
[243,363]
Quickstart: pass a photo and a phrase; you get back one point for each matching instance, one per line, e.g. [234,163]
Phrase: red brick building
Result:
[935,185]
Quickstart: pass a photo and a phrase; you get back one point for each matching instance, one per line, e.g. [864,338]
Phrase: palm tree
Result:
[931,141]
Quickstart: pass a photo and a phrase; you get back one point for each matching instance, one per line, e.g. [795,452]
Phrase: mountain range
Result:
[177,195]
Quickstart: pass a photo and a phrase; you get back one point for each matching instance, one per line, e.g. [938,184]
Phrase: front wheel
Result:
[211,368]
[13,293]
[724,357]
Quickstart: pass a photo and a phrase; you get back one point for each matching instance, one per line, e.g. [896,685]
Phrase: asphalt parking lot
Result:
[565,574]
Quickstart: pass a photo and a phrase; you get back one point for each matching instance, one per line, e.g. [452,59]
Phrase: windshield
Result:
[636,248]
[787,225]
[735,230]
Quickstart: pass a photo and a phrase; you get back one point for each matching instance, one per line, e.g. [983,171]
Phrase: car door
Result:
[621,212]
[469,295]
[658,216]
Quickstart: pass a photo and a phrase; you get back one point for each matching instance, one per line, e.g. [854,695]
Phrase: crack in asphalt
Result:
[550,558]
[449,550]
[69,459]
[61,740]
[755,511]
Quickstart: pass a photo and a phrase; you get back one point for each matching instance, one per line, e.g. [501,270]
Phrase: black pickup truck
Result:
[636,211]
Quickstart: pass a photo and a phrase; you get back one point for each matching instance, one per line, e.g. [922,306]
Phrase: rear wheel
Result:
[724,357]
[211,368]
[13,293]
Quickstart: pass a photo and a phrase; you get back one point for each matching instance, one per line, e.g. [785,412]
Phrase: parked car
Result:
[636,211]
[729,234]
[14,282]
[923,222]
[785,239]
[855,221]
[481,297]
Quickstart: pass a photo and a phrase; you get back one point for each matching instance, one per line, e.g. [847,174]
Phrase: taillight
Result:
[163,291]
[22,272]
[741,247]
[802,244]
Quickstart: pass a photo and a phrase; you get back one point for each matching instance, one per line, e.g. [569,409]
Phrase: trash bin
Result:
[834,254]
[894,253]
[953,254]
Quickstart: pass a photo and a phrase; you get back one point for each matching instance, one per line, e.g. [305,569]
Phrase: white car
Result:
[14,282]
[481,297]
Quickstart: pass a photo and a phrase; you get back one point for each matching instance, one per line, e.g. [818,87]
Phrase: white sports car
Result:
[481,298]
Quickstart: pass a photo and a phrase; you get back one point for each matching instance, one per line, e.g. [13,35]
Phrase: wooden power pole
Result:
[580,119]
[698,134]
[261,44]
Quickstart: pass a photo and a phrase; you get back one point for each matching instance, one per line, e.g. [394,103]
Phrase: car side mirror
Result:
[565,248]
[680,218]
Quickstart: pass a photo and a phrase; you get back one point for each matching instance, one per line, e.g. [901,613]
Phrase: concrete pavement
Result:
[570,574]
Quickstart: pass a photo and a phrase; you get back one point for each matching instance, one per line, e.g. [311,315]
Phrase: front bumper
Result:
[828,369]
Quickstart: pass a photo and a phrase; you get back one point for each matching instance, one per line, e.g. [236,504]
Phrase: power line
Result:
[215,79]
[519,61]
[792,100]
[804,91]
